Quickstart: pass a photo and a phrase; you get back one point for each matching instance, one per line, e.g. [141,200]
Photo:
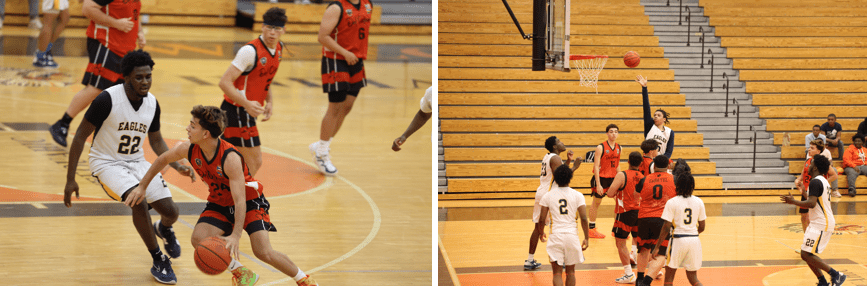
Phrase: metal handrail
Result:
[702,45]
[680,13]
[726,86]
[738,120]
[755,140]
[710,62]
[688,24]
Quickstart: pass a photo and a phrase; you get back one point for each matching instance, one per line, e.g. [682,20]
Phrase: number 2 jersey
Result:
[121,126]
[212,173]
[563,204]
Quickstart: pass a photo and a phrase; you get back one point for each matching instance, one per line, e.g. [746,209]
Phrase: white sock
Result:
[530,257]
[627,269]
[323,145]
[234,264]
[300,275]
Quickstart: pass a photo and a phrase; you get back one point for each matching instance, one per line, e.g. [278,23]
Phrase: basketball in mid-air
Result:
[212,257]
[631,59]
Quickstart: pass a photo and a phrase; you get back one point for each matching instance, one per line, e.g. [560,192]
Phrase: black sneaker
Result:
[58,131]
[837,281]
[173,247]
[162,271]
[852,192]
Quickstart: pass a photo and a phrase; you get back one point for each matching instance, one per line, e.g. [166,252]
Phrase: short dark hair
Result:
[211,118]
[817,125]
[134,59]
[857,136]
[550,142]
[822,164]
[664,114]
[563,175]
[612,125]
[684,184]
[635,159]
[681,168]
[648,145]
[275,15]
[660,162]
[832,115]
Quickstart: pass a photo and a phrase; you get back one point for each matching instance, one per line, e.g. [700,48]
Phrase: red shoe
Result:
[596,234]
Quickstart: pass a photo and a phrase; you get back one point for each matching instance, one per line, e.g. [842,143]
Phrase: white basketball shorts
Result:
[684,252]
[119,177]
[54,6]
[815,239]
[537,209]
[565,249]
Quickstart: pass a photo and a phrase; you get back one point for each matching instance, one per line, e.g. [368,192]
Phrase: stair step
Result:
[720,114]
[442,173]
[721,102]
[765,185]
[675,8]
[741,148]
[442,166]
[709,128]
[698,71]
[440,158]
[730,121]
[665,44]
[716,88]
[705,82]
[741,163]
[717,95]
[759,170]
[756,178]
[696,19]
[694,50]
[440,149]
[731,134]
[742,141]
[443,189]
[708,30]
[443,182]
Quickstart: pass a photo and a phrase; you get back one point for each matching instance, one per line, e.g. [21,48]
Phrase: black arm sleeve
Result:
[155,123]
[816,188]
[648,118]
[669,147]
[640,185]
[99,110]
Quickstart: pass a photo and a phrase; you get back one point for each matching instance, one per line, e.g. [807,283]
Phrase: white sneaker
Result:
[836,194]
[35,24]
[322,160]
[626,279]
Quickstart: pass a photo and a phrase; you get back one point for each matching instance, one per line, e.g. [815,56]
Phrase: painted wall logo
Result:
[840,229]
[34,77]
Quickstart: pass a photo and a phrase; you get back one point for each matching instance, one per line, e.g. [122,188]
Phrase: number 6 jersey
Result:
[122,126]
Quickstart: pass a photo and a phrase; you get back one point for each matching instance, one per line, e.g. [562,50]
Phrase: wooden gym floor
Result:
[371,225]
[748,241]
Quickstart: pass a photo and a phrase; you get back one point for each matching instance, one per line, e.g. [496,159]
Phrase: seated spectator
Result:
[854,161]
[833,134]
[817,134]
[862,127]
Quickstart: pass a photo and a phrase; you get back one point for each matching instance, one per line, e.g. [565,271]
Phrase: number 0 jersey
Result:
[121,129]
[563,204]
[656,189]
[212,173]
[684,214]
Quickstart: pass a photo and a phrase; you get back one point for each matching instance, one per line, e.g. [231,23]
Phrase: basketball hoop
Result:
[589,67]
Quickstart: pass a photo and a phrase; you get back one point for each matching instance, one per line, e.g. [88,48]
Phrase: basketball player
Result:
[568,205]
[232,188]
[55,16]
[822,221]
[626,207]
[687,213]
[654,128]
[550,162]
[424,113]
[816,147]
[605,166]
[123,116]
[343,33]
[246,87]
[649,147]
[114,31]
[655,190]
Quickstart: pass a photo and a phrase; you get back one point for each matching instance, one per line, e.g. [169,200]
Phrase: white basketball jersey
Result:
[684,214]
[660,136]
[426,104]
[546,178]
[821,216]
[563,204]
[124,131]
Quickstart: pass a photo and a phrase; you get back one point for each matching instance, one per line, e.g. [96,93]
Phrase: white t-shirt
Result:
[563,204]
[684,214]
[426,104]
[246,56]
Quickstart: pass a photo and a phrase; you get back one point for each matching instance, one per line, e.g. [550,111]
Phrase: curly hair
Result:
[211,118]
[275,15]
[660,162]
[665,115]
[681,168]
[857,136]
[822,163]
[649,145]
[563,175]
[134,59]
[684,184]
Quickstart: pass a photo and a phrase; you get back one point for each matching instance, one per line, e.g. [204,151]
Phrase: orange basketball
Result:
[212,257]
[631,59]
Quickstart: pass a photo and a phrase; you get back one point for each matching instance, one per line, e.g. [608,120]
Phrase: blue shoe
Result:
[58,131]
[839,280]
[173,248]
[162,271]
[49,60]
[39,60]
[531,264]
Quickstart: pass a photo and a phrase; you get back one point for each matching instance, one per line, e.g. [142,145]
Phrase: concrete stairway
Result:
[441,165]
[733,161]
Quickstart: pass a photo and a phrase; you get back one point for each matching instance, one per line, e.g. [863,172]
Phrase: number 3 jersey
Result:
[212,173]
[684,214]
[121,126]
[563,204]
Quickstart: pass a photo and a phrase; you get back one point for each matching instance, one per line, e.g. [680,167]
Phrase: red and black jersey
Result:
[117,41]
[256,82]
[352,29]
[656,189]
[645,165]
[626,200]
[609,161]
[212,173]
[806,173]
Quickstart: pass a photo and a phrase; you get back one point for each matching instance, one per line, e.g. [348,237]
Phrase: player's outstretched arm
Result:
[645,102]
[138,193]
[159,146]
[418,121]
[585,225]
[84,131]
[91,10]
[619,181]
[235,171]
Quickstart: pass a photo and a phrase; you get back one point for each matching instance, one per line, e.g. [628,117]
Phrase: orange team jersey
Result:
[626,200]
[118,42]
[212,173]
[352,29]
[806,173]
[609,162]
[655,192]
[644,168]
[256,82]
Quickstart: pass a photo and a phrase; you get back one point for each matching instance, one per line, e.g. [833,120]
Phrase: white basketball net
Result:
[589,68]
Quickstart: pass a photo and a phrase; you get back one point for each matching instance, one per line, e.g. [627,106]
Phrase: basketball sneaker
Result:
[852,192]
[243,276]
[626,279]
[531,264]
[39,60]
[660,275]
[596,234]
[35,24]
[307,281]
[162,271]
[170,241]
[837,281]
[58,131]
[49,58]
[836,194]
[322,159]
